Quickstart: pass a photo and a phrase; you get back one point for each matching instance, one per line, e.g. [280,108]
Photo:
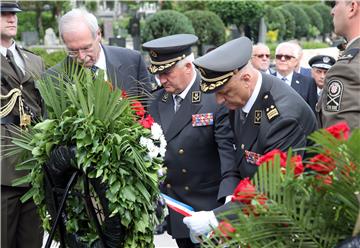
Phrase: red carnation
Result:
[226,228]
[124,94]
[340,130]
[322,164]
[270,157]
[138,108]
[244,191]
[299,167]
[326,179]
[147,122]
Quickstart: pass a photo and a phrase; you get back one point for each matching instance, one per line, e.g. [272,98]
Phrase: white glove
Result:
[201,223]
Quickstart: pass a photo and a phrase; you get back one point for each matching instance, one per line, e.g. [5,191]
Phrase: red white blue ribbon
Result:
[177,206]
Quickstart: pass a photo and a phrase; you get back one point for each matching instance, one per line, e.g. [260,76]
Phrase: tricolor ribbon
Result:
[177,206]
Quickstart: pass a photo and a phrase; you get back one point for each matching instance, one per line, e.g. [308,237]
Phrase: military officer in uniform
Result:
[340,98]
[20,105]
[265,113]
[320,64]
[200,156]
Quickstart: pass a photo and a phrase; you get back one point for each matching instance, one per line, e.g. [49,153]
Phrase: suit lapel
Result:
[113,68]
[295,83]
[9,70]
[27,63]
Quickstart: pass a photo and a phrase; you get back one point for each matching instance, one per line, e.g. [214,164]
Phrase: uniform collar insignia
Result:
[257,117]
[165,97]
[195,96]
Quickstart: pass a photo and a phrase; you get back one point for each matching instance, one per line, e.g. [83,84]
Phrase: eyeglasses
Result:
[75,53]
[262,56]
[286,57]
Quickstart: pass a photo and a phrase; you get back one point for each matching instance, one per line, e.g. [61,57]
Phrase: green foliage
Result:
[315,19]
[324,11]
[183,6]
[289,32]
[107,135]
[244,14]
[302,21]
[317,208]
[208,27]
[164,23]
[275,20]
[50,59]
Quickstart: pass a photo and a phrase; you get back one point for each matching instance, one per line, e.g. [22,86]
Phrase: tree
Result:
[324,11]
[315,20]
[244,14]
[302,21]
[290,24]
[208,27]
[183,6]
[166,22]
[275,20]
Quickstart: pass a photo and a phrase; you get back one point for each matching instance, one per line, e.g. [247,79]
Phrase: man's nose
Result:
[162,78]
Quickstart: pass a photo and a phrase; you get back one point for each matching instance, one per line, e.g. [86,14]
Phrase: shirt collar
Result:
[254,95]
[288,77]
[352,41]
[12,48]
[101,62]
[184,93]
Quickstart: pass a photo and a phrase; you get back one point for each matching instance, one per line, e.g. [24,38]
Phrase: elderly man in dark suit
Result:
[265,114]
[200,163]
[20,105]
[286,59]
[81,34]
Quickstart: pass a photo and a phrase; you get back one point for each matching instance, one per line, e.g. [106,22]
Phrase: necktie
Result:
[284,79]
[93,70]
[243,116]
[178,100]
[11,60]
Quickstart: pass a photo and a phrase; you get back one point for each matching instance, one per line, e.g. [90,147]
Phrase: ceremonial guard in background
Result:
[200,155]
[20,105]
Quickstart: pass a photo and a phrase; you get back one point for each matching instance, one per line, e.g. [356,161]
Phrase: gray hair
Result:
[188,59]
[69,21]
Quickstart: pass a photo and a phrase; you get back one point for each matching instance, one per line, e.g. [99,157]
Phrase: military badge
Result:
[334,94]
[165,97]
[252,157]
[349,55]
[270,108]
[257,117]
[195,96]
[153,53]
[206,119]
[326,59]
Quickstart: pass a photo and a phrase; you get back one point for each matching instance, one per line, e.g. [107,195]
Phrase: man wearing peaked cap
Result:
[20,222]
[265,113]
[199,157]
[320,64]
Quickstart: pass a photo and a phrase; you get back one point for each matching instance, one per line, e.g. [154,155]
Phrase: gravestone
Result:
[30,38]
[114,41]
[50,39]
[108,28]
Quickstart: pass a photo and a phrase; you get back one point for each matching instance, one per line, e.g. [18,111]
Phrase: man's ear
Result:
[354,8]
[98,33]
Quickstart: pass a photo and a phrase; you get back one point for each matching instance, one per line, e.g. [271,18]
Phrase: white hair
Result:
[69,22]
[294,48]
[188,59]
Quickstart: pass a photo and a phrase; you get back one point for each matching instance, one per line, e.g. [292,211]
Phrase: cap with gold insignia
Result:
[322,61]
[165,52]
[9,6]
[219,65]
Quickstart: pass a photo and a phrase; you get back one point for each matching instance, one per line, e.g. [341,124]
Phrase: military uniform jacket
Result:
[200,154]
[32,103]
[279,119]
[340,99]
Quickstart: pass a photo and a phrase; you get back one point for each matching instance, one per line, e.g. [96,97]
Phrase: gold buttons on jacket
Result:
[187,188]
[168,185]
[181,151]
[183,170]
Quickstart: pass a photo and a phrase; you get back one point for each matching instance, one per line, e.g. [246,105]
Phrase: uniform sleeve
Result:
[224,139]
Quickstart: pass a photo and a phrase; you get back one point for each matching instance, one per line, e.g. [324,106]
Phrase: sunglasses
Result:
[262,56]
[287,57]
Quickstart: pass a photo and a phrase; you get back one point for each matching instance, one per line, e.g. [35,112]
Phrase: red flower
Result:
[244,191]
[147,122]
[138,108]
[326,179]
[270,157]
[340,130]
[226,228]
[299,167]
[321,164]
[124,94]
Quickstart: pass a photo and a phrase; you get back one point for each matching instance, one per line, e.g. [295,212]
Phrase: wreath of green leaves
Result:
[106,132]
